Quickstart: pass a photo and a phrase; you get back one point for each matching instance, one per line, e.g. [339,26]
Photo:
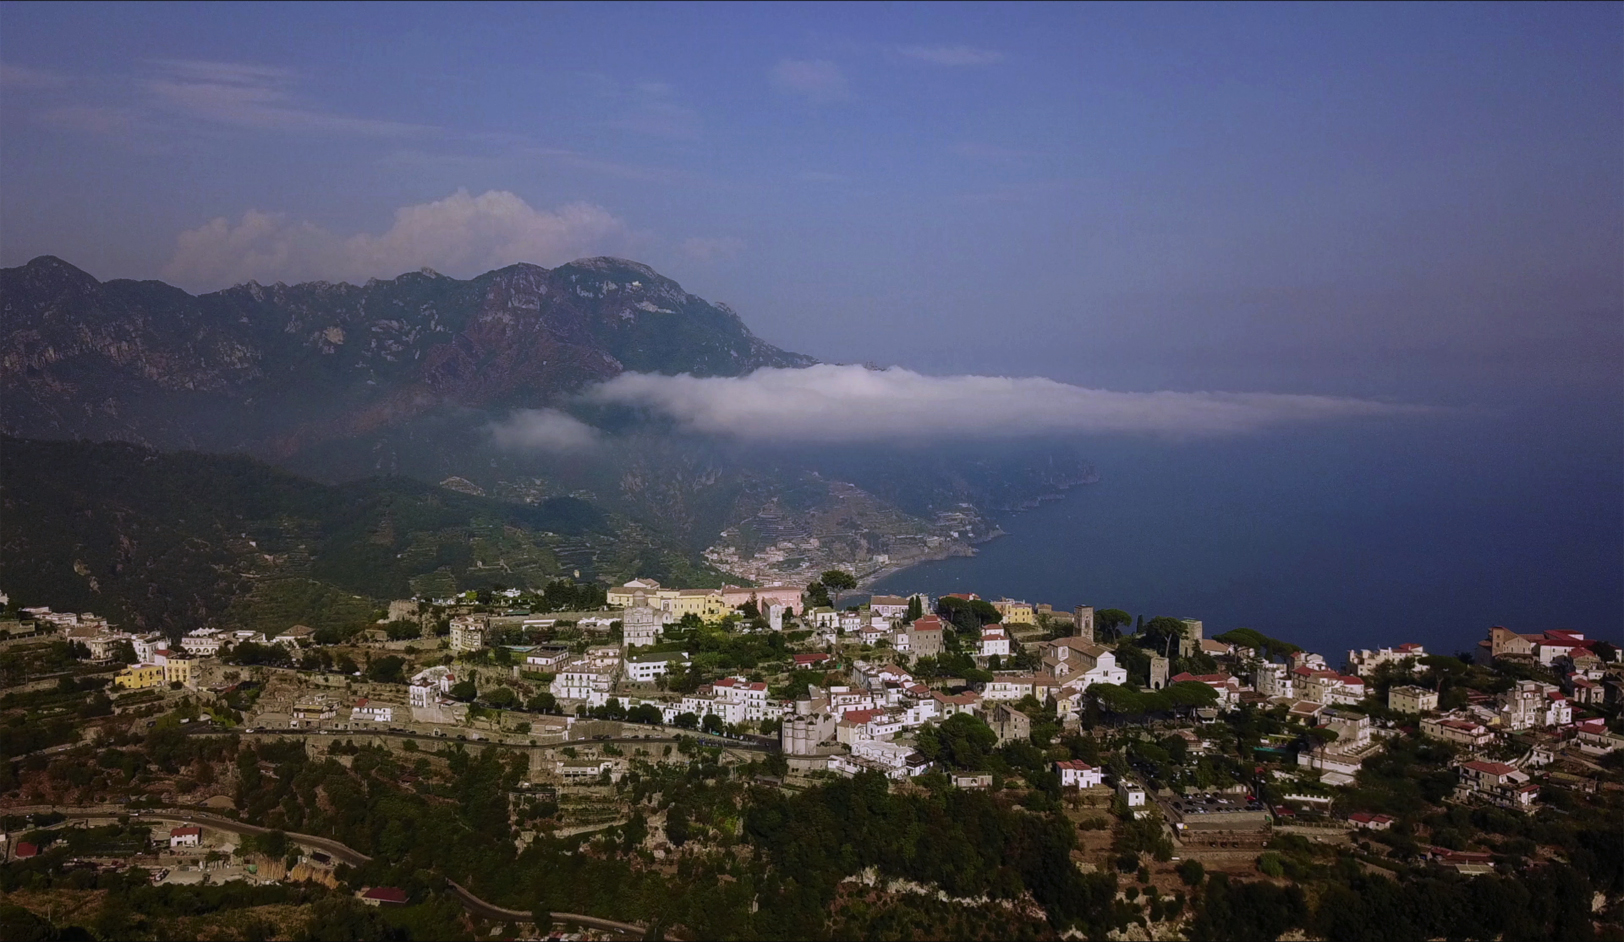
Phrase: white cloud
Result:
[543,430]
[461,235]
[830,403]
[817,79]
[951,55]
[254,96]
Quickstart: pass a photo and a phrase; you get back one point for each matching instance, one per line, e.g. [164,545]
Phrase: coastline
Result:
[961,550]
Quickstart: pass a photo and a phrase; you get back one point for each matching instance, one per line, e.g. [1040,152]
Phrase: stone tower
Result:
[1191,642]
[1083,618]
[1158,672]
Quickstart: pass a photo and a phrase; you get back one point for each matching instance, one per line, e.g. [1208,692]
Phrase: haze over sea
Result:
[1428,531]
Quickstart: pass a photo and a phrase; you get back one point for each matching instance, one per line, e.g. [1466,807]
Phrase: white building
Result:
[202,642]
[1364,661]
[1274,680]
[750,696]
[994,640]
[185,837]
[468,633]
[1411,699]
[1496,783]
[547,660]
[1079,774]
[1531,704]
[643,668]
[890,606]
[894,760]
[1132,795]
[428,686]
[1456,729]
[373,713]
[641,625]
[1008,687]
[582,682]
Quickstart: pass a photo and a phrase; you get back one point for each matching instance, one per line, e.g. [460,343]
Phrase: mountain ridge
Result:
[274,369]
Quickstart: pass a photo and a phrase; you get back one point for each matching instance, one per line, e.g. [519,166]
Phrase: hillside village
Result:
[1215,750]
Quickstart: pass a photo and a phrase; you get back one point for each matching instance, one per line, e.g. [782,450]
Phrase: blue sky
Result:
[1414,202]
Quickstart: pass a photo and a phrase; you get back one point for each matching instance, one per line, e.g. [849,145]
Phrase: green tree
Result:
[840,581]
[1162,635]
[1109,622]
[961,742]
[387,670]
[676,824]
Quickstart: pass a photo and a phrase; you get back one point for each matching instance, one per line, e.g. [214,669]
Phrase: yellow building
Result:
[178,670]
[140,677]
[706,603]
[623,596]
[1016,613]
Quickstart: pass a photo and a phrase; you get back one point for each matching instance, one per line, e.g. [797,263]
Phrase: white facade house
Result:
[1076,773]
[373,713]
[468,633]
[994,641]
[889,606]
[1531,704]
[750,696]
[547,660]
[185,837]
[428,686]
[1274,680]
[1409,699]
[893,760]
[1007,687]
[583,683]
[1364,661]
[643,668]
[203,642]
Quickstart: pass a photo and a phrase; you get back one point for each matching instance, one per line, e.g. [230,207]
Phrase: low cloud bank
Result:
[854,404]
[543,430]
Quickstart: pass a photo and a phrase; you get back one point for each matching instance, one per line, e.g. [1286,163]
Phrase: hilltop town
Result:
[1177,766]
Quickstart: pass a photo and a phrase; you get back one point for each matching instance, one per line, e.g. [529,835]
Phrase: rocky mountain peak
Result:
[281,368]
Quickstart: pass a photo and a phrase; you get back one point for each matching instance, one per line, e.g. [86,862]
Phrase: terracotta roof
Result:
[386,894]
[25,849]
[185,832]
[1490,768]
[1074,764]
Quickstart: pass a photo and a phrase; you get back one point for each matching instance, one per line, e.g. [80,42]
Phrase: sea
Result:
[1431,530]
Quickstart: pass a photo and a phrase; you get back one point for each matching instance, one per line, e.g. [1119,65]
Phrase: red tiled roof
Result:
[1077,765]
[386,894]
[1490,768]
[185,832]
[25,849]
[861,716]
